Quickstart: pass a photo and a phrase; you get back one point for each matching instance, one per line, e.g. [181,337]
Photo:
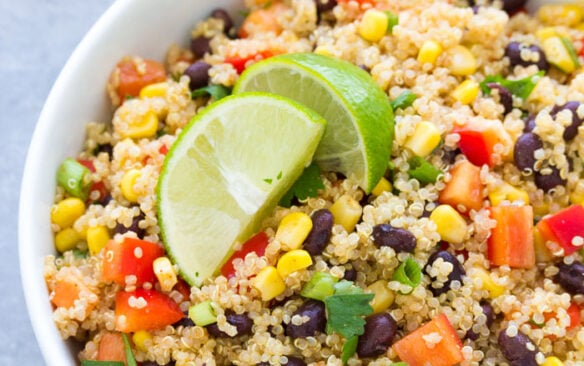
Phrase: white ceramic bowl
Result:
[129,27]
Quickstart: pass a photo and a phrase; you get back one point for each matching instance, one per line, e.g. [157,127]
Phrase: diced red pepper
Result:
[565,227]
[95,186]
[184,288]
[240,63]
[511,241]
[87,163]
[417,351]
[145,310]
[132,257]
[111,348]
[573,312]
[130,76]
[464,188]
[163,149]
[256,243]
[478,140]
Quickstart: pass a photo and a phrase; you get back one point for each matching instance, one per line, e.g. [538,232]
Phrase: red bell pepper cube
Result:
[478,140]
[145,310]
[464,188]
[131,257]
[417,351]
[111,348]
[565,227]
[511,241]
[573,312]
[256,243]
[240,63]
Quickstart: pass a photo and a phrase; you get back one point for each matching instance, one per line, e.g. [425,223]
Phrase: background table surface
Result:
[36,39]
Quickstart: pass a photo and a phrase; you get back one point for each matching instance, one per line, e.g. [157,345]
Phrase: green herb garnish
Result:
[349,348]
[404,100]
[306,186]
[345,313]
[520,88]
[320,286]
[392,21]
[571,51]
[408,273]
[422,170]
[130,360]
[217,91]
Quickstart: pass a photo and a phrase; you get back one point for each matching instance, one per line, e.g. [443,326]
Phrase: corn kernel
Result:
[382,186]
[97,238]
[67,239]
[546,32]
[269,283]
[165,273]
[293,229]
[577,197]
[540,209]
[552,361]
[67,211]
[142,340]
[323,50]
[424,140]
[557,54]
[507,192]
[449,223]
[466,92]
[494,289]
[128,183]
[555,14]
[461,61]
[156,90]
[346,212]
[373,26]
[429,52]
[144,127]
[384,297]
[293,261]
[542,253]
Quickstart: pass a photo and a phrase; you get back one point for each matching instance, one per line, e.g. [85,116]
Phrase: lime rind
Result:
[359,134]
[226,172]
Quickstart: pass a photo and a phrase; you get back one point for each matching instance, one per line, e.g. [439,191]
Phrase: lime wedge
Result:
[226,171]
[359,117]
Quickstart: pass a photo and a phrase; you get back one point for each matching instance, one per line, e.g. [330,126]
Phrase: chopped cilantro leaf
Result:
[217,91]
[404,100]
[520,88]
[306,186]
[423,171]
[130,360]
[345,287]
[349,348]
[345,313]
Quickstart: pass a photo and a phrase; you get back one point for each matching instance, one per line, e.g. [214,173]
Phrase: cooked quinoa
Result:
[483,302]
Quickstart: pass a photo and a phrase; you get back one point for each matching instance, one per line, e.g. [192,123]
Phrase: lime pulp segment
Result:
[226,172]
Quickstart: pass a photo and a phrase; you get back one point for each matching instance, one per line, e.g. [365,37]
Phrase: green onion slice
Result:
[408,273]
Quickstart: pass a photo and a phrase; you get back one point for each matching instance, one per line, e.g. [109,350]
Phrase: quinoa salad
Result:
[467,251]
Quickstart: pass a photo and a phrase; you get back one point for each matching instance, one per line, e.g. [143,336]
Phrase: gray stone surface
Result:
[36,38]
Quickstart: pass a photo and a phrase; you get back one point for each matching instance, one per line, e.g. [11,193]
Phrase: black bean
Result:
[242,323]
[505,98]
[449,156]
[106,148]
[571,277]
[516,350]
[315,312]
[200,46]
[185,321]
[489,313]
[350,274]
[198,72]
[380,329]
[549,181]
[318,238]
[456,274]
[135,226]
[225,17]
[514,52]
[400,240]
[511,6]
[325,5]
[524,151]
[572,130]
[529,124]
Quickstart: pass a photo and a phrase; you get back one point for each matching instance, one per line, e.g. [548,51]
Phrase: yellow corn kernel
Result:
[507,192]
[164,272]
[542,253]
[466,92]
[557,54]
[494,289]
[293,230]
[373,26]
[382,186]
[424,140]
[449,223]
[384,297]
[346,212]
[429,52]
[555,14]
[545,32]
[269,283]
[156,90]
[142,340]
[67,211]
[323,50]
[67,239]
[577,197]
[461,61]
[144,127]
[127,185]
[540,209]
[97,238]
[293,261]
[552,361]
